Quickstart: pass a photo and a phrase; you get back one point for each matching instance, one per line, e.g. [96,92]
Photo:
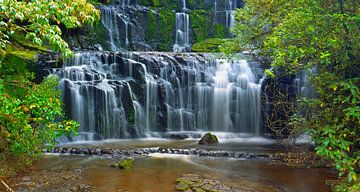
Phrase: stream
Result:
[159,171]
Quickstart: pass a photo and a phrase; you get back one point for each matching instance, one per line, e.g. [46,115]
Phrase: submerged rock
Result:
[213,183]
[126,163]
[208,139]
[123,164]
[193,182]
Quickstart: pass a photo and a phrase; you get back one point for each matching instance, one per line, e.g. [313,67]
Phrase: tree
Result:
[31,114]
[324,34]
[42,20]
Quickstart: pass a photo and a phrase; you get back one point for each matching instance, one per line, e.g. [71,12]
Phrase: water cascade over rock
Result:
[140,25]
[182,30]
[136,94]
[124,94]
[225,12]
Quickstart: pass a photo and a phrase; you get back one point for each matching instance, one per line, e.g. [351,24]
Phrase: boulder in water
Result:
[123,164]
[208,139]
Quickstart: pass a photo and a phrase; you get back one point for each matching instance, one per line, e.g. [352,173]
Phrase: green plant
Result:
[29,122]
[40,20]
[208,45]
[321,35]
[31,114]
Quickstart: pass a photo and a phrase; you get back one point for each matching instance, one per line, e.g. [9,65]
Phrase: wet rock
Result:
[106,151]
[207,183]
[126,163]
[208,139]
[80,188]
[114,164]
[193,182]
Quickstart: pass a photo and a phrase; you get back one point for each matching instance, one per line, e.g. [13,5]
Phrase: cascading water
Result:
[230,13]
[117,25]
[226,9]
[303,85]
[122,95]
[136,94]
[182,42]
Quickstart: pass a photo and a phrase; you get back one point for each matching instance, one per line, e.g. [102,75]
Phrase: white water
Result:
[225,9]
[116,23]
[182,42]
[197,94]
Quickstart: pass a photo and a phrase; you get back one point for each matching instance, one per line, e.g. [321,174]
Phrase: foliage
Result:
[99,2]
[348,187]
[208,45]
[220,31]
[31,114]
[28,122]
[41,20]
[201,24]
[323,35]
[160,36]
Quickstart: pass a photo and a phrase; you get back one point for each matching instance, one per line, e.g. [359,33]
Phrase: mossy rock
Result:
[209,45]
[125,163]
[208,139]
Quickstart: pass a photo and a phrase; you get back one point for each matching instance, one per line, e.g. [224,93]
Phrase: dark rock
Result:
[208,139]
[106,151]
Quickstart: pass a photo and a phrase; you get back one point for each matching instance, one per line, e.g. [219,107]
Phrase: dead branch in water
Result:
[7,186]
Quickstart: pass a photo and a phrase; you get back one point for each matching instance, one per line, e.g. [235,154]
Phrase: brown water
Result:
[159,172]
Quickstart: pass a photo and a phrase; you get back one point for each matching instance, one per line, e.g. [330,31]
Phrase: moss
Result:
[220,31]
[99,2]
[25,54]
[151,30]
[209,45]
[201,24]
[160,28]
[182,186]
[100,34]
[208,139]
[19,42]
[125,163]
[161,3]
[200,4]
[86,37]
[131,116]
[166,29]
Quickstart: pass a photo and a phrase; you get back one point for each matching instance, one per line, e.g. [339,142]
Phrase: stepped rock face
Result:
[133,94]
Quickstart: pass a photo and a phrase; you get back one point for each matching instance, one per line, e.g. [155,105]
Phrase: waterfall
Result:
[182,30]
[304,88]
[237,98]
[116,23]
[230,13]
[225,9]
[132,94]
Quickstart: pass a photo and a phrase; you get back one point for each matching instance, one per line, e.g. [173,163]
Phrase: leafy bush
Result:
[31,114]
[27,124]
